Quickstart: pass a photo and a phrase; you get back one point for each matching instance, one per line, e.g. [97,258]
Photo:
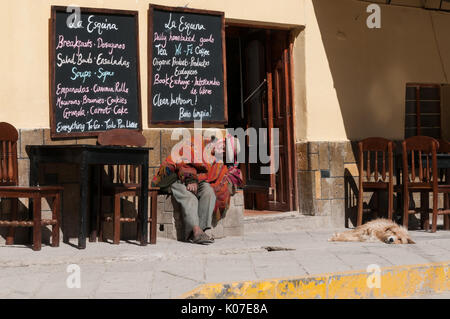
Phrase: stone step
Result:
[286,222]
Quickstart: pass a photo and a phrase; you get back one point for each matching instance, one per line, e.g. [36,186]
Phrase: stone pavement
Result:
[170,269]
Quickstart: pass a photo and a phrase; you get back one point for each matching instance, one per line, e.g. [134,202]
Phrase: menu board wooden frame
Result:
[52,66]
[220,14]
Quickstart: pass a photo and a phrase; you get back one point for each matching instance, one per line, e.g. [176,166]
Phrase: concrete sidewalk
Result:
[170,269]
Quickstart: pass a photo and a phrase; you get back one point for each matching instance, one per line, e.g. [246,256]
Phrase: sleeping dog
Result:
[381,229]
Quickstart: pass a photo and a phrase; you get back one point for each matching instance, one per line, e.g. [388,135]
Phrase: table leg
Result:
[425,210]
[94,202]
[34,173]
[84,176]
[37,229]
[154,210]
[143,202]
[34,181]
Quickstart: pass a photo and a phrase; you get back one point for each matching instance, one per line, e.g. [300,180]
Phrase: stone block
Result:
[24,171]
[317,185]
[302,156]
[218,231]
[338,207]
[165,218]
[168,207]
[305,192]
[49,141]
[234,217]
[29,137]
[351,152]
[337,186]
[238,198]
[337,155]
[323,208]
[313,162]
[338,213]
[161,199]
[159,210]
[326,188]
[324,158]
[153,138]
[170,231]
[87,141]
[313,147]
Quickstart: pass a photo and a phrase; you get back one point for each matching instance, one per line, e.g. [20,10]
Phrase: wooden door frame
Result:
[291,39]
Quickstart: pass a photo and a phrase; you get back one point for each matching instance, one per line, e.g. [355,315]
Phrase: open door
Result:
[280,117]
[259,72]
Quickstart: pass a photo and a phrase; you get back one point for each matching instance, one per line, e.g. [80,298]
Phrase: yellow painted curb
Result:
[393,282]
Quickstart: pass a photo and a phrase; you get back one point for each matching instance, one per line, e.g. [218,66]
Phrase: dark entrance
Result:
[260,96]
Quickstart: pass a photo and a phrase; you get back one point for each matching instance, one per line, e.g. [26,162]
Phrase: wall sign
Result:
[186,66]
[94,71]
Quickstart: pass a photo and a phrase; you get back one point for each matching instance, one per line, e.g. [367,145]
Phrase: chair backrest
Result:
[444,173]
[444,146]
[419,159]
[375,159]
[8,155]
[122,137]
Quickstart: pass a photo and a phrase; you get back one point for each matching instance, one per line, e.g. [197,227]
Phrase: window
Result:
[423,110]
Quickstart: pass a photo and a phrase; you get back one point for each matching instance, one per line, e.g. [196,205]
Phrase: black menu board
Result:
[94,66]
[186,66]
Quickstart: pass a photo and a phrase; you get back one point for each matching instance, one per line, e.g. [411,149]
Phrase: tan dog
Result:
[379,229]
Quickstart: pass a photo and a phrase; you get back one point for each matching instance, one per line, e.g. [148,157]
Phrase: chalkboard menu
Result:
[94,66]
[186,66]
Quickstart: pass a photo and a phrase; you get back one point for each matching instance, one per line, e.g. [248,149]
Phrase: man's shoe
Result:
[201,239]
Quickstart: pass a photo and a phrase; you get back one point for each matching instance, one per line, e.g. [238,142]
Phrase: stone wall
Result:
[325,169]
[170,223]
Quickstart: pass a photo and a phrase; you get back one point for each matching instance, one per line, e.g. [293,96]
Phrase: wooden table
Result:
[86,156]
[443,161]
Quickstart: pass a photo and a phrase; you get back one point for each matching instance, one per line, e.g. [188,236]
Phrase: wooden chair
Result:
[9,189]
[444,179]
[125,184]
[420,175]
[376,178]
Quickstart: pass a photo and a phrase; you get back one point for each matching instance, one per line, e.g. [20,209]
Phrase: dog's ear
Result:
[387,228]
[410,241]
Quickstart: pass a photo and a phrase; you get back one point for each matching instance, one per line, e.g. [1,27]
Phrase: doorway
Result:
[259,85]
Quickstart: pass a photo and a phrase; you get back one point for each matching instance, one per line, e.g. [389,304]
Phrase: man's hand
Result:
[193,187]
